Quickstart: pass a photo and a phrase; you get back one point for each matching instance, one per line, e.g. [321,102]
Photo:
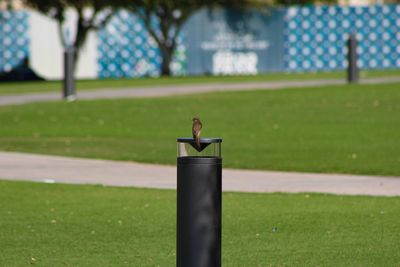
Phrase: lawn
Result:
[55,86]
[336,129]
[69,225]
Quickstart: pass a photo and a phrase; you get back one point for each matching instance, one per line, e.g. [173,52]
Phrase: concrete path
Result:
[40,168]
[170,90]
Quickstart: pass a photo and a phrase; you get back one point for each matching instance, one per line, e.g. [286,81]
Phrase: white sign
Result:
[225,39]
[227,62]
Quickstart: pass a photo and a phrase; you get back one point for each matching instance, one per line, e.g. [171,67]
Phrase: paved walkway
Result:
[169,90]
[41,168]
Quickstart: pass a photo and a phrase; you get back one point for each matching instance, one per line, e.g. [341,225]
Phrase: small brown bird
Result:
[196,130]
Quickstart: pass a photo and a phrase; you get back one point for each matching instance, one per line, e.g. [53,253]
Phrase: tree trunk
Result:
[166,59]
[82,32]
[76,58]
[165,66]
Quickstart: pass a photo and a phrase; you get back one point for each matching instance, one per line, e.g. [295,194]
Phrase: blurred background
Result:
[126,39]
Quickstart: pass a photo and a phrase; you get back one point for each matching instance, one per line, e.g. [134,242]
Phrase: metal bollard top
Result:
[209,147]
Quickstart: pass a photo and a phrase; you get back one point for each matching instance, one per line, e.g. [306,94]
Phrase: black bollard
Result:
[199,200]
[352,69]
[69,81]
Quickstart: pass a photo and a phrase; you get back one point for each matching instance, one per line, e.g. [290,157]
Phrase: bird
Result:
[196,130]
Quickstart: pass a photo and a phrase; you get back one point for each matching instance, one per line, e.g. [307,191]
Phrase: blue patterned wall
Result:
[315,37]
[127,50]
[14,40]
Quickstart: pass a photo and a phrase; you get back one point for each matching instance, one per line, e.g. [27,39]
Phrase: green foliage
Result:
[56,9]
[304,2]
[69,225]
[333,129]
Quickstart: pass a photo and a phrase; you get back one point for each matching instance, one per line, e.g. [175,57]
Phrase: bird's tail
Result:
[197,138]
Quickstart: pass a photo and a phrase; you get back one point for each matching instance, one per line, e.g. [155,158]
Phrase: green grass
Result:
[70,225]
[55,86]
[336,129]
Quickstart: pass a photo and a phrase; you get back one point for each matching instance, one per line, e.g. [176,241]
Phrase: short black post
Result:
[352,69]
[69,81]
[199,201]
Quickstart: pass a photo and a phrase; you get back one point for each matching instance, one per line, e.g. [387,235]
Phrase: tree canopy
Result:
[92,15]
